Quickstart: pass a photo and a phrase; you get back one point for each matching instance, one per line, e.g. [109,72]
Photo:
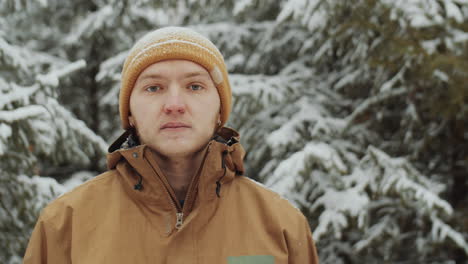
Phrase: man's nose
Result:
[174,103]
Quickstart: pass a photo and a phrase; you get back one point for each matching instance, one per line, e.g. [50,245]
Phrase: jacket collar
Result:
[137,164]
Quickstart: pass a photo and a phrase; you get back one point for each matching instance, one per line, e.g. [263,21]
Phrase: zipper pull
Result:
[180,220]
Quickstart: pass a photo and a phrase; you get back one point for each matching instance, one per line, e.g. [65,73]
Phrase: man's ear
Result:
[131,120]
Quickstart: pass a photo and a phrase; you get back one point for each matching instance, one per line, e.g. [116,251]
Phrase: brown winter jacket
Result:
[129,214]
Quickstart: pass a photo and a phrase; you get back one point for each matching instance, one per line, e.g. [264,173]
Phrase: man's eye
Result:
[195,87]
[153,88]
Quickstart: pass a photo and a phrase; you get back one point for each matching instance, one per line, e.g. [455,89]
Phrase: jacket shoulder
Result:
[277,215]
[268,200]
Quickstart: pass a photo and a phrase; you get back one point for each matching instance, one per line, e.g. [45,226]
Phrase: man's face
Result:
[175,107]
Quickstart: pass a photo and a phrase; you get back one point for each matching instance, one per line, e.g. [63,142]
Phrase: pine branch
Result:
[52,78]
[22,113]
[368,103]
[17,93]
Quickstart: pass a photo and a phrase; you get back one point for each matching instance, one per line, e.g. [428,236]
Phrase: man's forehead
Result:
[180,68]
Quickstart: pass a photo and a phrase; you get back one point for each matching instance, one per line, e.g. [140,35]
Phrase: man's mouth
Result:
[174,126]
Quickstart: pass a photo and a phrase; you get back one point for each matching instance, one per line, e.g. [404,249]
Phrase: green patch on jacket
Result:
[261,259]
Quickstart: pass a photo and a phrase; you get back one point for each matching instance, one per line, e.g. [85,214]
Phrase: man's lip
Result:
[174,125]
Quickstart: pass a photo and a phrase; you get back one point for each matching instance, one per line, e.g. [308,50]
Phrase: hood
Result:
[226,142]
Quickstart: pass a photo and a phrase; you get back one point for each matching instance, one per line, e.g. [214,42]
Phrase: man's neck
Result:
[180,170]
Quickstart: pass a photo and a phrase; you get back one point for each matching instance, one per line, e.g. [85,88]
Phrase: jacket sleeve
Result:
[49,242]
[301,247]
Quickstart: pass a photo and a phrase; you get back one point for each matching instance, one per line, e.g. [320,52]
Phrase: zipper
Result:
[188,202]
[175,204]
[179,221]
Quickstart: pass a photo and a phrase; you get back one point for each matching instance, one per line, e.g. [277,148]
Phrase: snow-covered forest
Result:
[356,111]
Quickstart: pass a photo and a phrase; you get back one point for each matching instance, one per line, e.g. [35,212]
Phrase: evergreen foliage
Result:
[36,132]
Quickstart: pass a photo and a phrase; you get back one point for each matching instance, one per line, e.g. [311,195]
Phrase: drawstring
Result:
[218,182]
[139,185]
[218,188]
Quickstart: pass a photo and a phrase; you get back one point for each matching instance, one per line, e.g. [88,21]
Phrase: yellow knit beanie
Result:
[174,43]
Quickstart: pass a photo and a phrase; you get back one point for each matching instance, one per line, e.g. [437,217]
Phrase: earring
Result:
[219,122]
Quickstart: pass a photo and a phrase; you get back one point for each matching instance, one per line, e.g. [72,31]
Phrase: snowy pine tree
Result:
[327,154]
[36,131]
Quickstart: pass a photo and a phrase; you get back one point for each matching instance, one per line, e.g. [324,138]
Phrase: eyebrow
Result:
[185,76]
[194,74]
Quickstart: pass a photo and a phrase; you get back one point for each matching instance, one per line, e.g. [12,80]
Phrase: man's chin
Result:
[179,148]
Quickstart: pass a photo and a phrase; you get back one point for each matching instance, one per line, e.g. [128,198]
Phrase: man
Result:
[174,192]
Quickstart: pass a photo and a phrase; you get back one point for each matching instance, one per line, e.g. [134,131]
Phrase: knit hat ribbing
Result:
[174,43]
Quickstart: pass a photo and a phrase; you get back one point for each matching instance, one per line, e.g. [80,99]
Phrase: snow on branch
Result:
[13,54]
[77,125]
[287,172]
[420,13]
[25,112]
[23,58]
[111,66]
[400,175]
[369,102]
[17,93]
[287,131]
[43,3]
[241,6]
[385,94]
[109,70]
[374,233]
[339,204]
[377,175]
[307,109]
[228,33]
[388,85]
[440,231]
[52,78]
[308,12]
[156,17]
[90,24]
[265,88]
[47,188]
